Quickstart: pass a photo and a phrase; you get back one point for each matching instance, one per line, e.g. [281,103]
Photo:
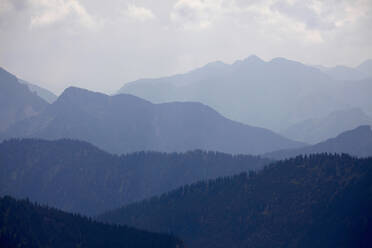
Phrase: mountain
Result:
[356,142]
[17,102]
[77,177]
[344,73]
[316,130]
[125,123]
[314,201]
[41,92]
[274,94]
[27,225]
[366,67]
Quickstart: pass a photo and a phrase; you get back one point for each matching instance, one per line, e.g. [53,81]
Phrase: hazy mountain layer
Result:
[316,201]
[41,92]
[356,142]
[316,130]
[125,123]
[27,225]
[274,94]
[17,102]
[78,177]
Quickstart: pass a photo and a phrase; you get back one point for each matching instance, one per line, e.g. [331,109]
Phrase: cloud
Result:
[66,41]
[197,14]
[306,12]
[139,13]
[49,12]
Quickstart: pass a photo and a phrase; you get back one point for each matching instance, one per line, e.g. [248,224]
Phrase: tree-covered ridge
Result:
[76,176]
[28,225]
[313,201]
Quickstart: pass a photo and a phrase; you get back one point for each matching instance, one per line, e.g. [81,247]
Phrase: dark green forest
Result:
[27,225]
[319,200]
[78,177]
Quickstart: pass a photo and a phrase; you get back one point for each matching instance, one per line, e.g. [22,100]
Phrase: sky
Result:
[100,45]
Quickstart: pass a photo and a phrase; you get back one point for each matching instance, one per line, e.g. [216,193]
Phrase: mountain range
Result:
[125,123]
[274,94]
[313,131]
[345,73]
[77,177]
[314,201]
[356,142]
[16,101]
[41,92]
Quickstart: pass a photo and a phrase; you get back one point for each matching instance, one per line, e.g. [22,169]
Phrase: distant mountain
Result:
[78,177]
[41,92]
[27,225]
[356,142]
[366,67]
[274,94]
[316,130]
[344,73]
[315,201]
[17,102]
[125,123]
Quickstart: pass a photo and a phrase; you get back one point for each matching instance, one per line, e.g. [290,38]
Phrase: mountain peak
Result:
[75,92]
[252,59]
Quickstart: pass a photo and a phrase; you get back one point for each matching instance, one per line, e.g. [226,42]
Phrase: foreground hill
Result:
[27,225]
[273,94]
[315,201]
[17,102]
[78,177]
[357,142]
[125,123]
[313,131]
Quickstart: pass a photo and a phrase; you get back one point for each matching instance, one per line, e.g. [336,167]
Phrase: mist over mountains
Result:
[16,101]
[173,163]
[125,123]
[41,92]
[356,142]
[313,131]
[274,94]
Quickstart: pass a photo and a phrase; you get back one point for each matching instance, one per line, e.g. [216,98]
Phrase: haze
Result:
[101,45]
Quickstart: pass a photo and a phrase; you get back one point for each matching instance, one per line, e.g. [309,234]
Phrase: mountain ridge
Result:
[356,142]
[125,123]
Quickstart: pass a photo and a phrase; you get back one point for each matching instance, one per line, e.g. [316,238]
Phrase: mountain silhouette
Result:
[313,131]
[274,94]
[356,142]
[17,102]
[41,92]
[125,123]
[77,177]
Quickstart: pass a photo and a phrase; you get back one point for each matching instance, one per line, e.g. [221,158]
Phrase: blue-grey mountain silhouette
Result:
[125,123]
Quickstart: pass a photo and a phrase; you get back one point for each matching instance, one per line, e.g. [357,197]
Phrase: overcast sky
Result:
[100,45]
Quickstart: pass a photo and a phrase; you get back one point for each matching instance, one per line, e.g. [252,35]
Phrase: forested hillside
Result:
[313,201]
[76,176]
[27,225]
